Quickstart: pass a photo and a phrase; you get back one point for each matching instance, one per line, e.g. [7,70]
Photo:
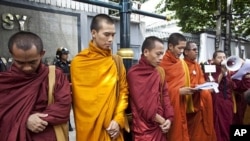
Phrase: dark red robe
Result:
[22,95]
[223,106]
[241,104]
[144,86]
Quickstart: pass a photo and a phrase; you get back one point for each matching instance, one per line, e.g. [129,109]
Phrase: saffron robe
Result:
[175,77]
[147,98]
[200,122]
[94,79]
[23,95]
[223,105]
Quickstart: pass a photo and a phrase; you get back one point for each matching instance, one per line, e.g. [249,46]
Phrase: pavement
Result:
[72,134]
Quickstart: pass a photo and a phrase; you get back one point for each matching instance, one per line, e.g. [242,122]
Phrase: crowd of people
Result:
[160,90]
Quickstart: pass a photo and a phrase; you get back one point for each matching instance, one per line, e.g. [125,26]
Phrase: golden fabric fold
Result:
[189,99]
[234,103]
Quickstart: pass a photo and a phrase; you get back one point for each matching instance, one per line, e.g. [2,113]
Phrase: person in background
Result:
[98,104]
[200,121]
[242,108]
[63,63]
[223,101]
[247,96]
[2,65]
[178,88]
[151,119]
[24,112]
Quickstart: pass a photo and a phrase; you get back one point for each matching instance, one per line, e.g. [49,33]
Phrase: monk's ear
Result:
[42,53]
[184,52]
[145,52]
[170,46]
[93,33]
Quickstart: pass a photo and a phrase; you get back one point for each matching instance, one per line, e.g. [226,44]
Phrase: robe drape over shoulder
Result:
[23,95]
[200,122]
[175,77]
[146,100]
[94,79]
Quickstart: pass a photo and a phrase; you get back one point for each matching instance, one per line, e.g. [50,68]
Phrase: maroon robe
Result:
[22,95]
[223,106]
[241,104]
[145,86]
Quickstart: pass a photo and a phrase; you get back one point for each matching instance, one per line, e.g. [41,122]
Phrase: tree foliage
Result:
[200,15]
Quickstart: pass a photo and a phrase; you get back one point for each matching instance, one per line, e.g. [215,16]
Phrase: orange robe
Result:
[94,79]
[200,122]
[175,77]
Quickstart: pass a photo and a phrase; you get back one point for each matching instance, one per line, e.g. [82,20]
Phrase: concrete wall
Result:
[207,47]
[56,26]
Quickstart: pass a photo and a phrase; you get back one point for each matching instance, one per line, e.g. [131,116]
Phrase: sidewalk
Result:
[72,134]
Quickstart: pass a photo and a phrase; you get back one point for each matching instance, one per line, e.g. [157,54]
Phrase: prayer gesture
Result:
[113,129]
[35,123]
[165,126]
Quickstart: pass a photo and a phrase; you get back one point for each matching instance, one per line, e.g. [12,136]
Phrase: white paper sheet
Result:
[242,71]
[208,85]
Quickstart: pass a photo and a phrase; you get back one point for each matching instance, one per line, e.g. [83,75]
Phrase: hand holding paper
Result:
[208,85]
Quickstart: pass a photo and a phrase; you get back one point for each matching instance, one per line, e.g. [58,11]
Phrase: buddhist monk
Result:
[98,108]
[24,111]
[200,121]
[178,86]
[223,103]
[242,108]
[150,104]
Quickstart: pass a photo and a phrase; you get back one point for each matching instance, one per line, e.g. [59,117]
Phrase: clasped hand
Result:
[113,129]
[165,126]
[35,123]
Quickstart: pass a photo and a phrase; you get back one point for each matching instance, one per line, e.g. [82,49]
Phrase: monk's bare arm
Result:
[159,119]
[186,90]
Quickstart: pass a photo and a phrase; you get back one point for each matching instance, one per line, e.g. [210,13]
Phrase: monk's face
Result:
[192,52]
[104,37]
[155,55]
[219,58]
[178,49]
[27,61]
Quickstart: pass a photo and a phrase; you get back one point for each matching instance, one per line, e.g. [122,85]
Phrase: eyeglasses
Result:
[193,49]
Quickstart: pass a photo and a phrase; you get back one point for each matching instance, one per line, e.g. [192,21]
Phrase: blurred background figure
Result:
[2,64]
[247,96]
[62,60]
[63,63]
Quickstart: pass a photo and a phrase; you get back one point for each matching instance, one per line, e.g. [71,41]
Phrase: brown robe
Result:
[22,95]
